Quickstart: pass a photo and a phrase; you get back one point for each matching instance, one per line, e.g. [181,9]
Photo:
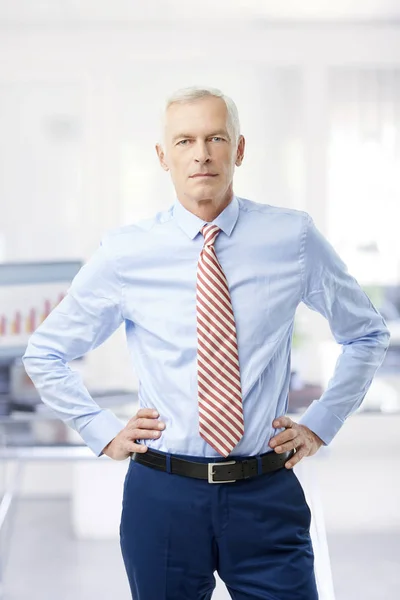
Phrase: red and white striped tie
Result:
[220,395]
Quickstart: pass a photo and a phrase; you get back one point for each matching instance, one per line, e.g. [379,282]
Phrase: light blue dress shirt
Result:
[144,275]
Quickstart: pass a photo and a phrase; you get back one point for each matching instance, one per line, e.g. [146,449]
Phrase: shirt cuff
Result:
[321,421]
[101,430]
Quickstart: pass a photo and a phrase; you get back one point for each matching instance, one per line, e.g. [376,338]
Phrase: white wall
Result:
[78,124]
[78,121]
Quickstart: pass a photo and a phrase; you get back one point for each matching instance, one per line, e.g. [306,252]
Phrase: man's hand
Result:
[296,436]
[144,425]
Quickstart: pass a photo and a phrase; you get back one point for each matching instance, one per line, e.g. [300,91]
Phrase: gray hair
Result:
[193,93]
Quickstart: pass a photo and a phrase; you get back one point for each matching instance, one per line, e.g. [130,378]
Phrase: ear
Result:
[240,151]
[161,157]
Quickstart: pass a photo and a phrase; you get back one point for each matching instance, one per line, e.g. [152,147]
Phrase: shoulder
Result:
[130,236]
[275,214]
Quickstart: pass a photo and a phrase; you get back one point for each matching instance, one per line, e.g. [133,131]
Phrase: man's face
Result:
[200,151]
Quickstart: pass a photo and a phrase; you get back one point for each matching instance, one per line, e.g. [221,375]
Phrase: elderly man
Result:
[208,291]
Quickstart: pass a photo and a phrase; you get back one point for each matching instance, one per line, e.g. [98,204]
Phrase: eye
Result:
[216,137]
[180,142]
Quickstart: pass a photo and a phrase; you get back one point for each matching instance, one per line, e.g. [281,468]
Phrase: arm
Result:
[84,319]
[355,324]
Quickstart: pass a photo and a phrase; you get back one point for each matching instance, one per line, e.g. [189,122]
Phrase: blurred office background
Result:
[82,87]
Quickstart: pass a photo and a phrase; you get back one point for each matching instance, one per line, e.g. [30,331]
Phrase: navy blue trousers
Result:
[176,531]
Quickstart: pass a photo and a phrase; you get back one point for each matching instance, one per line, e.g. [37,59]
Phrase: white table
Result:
[103,477]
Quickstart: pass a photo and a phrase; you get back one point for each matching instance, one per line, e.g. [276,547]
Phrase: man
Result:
[208,291]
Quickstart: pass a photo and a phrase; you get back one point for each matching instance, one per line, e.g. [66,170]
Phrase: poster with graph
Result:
[24,307]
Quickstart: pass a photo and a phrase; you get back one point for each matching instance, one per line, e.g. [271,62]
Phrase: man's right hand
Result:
[144,425]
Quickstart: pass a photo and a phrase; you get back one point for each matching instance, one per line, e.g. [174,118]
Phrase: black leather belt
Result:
[215,472]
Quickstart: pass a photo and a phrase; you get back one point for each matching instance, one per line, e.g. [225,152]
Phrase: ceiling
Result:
[130,11]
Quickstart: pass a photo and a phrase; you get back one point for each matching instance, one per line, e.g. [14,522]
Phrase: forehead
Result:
[196,116]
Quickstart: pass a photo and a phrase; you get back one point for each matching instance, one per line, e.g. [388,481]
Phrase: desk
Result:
[39,436]
[89,473]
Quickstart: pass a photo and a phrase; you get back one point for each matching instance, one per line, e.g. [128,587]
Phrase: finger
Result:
[296,458]
[145,412]
[146,424]
[288,446]
[148,412]
[284,436]
[144,434]
[133,447]
[282,422]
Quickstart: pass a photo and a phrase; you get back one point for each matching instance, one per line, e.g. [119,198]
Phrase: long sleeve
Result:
[355,323]
[88,314]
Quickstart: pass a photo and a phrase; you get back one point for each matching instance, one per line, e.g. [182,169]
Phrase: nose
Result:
[201,154]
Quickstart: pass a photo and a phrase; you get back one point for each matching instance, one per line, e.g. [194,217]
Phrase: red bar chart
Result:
[23,309]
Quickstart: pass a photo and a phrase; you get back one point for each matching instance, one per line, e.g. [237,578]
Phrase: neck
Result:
[207,209]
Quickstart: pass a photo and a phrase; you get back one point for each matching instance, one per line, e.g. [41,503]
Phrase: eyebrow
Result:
[189,135]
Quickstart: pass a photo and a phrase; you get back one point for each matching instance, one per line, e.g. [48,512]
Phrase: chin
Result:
[207,182]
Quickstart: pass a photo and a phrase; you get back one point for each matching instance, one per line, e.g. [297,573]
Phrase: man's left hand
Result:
[296,436]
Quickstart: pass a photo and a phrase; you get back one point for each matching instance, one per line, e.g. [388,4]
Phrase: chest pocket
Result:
[251,307]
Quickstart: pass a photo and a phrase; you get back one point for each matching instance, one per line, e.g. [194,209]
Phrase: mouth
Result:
[201,175]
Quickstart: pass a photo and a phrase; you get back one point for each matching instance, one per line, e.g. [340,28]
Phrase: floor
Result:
[46,563]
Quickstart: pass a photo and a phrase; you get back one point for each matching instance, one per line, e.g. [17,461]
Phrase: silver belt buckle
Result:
[211,472]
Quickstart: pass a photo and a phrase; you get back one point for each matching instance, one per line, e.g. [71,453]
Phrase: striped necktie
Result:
[220,396]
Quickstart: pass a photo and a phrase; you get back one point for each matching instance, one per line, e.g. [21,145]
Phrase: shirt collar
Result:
[192,225]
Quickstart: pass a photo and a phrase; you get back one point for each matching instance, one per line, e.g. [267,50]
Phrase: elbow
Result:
[30,358]
[41,358]
[384,335]
[385,338]
[380,338]
[28,354]
[35,357]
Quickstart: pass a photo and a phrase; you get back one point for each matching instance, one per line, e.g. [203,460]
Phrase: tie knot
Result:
[210,233]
